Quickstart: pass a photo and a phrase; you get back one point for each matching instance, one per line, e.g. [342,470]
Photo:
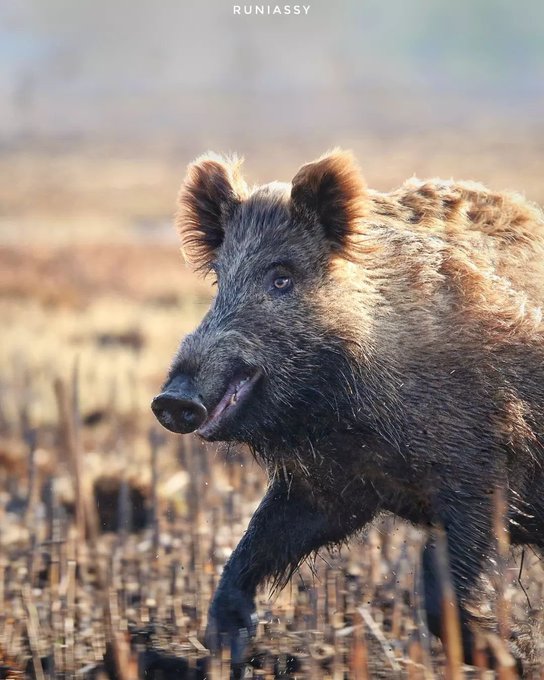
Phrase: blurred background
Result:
[113,534]
[102,104]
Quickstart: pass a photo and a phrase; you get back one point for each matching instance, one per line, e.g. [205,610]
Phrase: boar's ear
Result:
[212,189]
[332,190]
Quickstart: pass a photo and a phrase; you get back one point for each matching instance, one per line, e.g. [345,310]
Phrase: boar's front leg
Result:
[288,525]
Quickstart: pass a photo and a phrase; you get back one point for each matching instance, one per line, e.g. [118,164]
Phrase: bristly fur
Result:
[331,190]
[212,189]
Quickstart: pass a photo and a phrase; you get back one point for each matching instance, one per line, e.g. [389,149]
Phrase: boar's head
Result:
[269,359]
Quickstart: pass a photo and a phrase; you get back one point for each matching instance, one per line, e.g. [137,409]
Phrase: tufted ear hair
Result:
[332,191]
[212,189]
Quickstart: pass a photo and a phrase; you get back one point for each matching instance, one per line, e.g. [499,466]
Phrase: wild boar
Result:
[377,352]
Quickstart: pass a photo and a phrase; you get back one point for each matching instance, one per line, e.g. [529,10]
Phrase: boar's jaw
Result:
[237,393]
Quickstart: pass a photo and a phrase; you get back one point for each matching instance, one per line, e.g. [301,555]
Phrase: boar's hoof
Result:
[231,621]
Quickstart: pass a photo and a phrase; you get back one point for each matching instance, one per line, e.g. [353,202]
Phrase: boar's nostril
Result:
[177,413]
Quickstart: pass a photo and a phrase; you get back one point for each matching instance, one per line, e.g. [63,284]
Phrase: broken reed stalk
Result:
[415,667]
[70,620]
[505,671]
[3,565]
[70,440]
[376,631]
[155,441]
[359,651]
[33,630]
[422,629]
[451,627]
[30,437]
[480,658]
[118,653]
[505,661]
[119,659]
[90,517]
[55,538]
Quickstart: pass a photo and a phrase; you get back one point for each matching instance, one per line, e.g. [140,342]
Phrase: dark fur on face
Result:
[388,350]
[283,228]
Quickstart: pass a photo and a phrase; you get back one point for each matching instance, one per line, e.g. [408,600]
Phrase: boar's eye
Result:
[282,282]
[279,282]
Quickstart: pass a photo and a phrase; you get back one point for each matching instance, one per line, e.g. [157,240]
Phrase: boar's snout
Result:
[178,408]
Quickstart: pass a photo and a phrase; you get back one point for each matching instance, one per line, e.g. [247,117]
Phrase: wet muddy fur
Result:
[377,352]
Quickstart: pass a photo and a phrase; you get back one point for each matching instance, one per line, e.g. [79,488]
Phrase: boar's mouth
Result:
[237,393]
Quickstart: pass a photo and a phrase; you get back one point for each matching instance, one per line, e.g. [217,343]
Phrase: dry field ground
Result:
[113,533]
